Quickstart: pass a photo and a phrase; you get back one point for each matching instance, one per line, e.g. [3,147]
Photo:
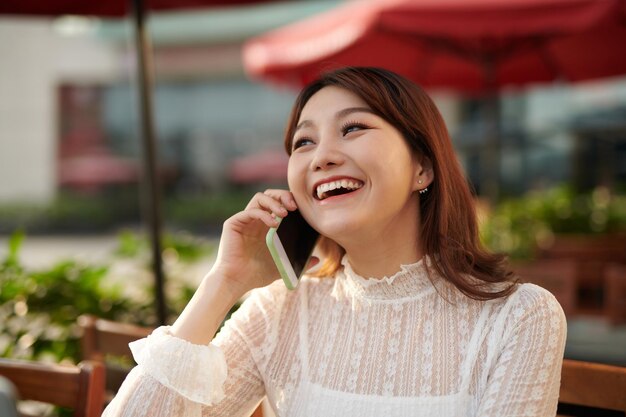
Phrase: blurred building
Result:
[551,134]
[35,60]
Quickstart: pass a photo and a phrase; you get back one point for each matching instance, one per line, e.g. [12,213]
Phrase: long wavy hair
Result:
[449,227]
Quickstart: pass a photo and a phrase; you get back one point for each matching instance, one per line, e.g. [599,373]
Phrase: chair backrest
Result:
[557,276]
[615,293]
[80,387]
[103,339]
[593,385]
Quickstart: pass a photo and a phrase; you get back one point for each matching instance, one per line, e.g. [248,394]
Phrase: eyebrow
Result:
[341,113]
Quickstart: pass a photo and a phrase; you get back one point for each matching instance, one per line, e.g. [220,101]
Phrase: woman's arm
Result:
[526,376]
[178,378]
[182,395]
[179,373]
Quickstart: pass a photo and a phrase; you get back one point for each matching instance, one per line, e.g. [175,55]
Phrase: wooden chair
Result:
[79,387]
[555,275]
[615,293]
[106,341]
[586,384]
[592,254]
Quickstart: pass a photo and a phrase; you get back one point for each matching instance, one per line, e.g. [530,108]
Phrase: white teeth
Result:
[333,185]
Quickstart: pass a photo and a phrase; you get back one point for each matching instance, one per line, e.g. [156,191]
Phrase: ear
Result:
[424,174]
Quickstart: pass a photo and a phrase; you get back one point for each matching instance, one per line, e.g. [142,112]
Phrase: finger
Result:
[268,203]
[289,201]
[285,197]
[249,215]
[272,204]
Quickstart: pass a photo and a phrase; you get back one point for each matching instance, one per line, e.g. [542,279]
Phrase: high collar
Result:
[410,282]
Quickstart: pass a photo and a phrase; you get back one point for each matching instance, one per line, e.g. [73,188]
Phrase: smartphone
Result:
[291,244]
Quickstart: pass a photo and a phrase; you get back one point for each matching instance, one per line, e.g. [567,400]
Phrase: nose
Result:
[327,155]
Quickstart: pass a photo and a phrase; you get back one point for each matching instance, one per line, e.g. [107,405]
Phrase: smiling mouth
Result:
[334,188]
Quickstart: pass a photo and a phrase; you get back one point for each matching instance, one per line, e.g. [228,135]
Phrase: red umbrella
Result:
[464,45]
[137,8]
[266,167]
[110,8]
[448,43]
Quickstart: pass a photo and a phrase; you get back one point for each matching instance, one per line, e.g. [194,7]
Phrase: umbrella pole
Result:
[151,193]
[491,173]
[493,151]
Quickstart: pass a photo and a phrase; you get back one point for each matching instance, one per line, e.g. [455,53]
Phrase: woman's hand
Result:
[243,263]
[243,259]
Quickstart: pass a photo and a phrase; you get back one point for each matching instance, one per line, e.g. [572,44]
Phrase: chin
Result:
[338,229]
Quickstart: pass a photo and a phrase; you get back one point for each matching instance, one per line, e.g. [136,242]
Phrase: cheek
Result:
[397,173]
[295,177]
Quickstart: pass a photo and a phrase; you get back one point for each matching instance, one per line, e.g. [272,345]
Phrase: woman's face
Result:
[352,174]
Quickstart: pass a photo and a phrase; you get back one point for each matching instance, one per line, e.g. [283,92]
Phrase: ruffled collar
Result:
[409,282]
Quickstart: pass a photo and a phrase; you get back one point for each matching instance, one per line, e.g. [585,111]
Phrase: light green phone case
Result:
[280,258]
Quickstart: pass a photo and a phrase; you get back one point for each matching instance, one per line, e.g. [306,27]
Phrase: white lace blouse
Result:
[350,346]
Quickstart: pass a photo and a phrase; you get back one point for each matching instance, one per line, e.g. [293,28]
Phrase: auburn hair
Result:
[449,226]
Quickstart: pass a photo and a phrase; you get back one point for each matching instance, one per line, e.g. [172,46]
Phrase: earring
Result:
[420,181]
[423,191]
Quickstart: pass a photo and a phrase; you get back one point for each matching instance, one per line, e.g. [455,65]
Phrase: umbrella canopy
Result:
[463,45]
[110,8]
[470,46]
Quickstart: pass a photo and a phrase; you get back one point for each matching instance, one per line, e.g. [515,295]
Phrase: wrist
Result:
[206,310]
[219,284]
[233,284]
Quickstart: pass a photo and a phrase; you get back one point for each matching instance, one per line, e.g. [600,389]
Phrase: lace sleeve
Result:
[176,378]
[526,377]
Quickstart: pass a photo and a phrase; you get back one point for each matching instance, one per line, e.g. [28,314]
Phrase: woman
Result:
[416,320]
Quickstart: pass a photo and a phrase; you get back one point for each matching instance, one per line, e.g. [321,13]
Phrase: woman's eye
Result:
[352,127]
[298,143]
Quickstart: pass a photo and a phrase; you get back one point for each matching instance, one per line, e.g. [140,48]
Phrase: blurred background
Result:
[72,236]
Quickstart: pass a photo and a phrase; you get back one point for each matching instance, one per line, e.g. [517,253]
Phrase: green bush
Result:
[72,213]
[185,246]
[39,309]
[518,226]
